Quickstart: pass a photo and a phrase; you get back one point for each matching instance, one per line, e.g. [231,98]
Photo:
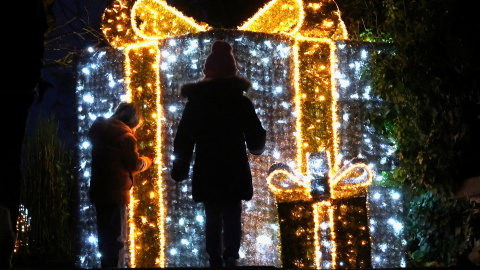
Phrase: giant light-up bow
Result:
[137,27]
[320,187]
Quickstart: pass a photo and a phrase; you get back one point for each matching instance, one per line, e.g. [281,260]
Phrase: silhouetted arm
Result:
[255,134]
[183,145]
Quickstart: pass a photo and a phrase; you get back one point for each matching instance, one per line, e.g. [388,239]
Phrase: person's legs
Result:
[123,238]
[213,233]
[110,240]
[232,218]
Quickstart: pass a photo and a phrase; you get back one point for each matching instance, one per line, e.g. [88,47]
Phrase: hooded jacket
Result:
[114,161]
[220,123]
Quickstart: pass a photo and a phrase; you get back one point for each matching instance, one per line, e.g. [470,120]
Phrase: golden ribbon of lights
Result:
[136,26]
[290,186]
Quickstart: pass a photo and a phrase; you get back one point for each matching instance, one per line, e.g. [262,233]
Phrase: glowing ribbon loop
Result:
[350,180]
[152,19]
[116,24]
[289,13]
[287,184]
[128,22]
[347,182]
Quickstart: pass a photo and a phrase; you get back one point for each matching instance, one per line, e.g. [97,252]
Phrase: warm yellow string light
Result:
[161,20]
[153,49]
[258,23]
[255,17]
[298,101]
[335,123]
[189,26]
[158,163]
[290,13]
[300,18]
[337,182]
[316,217]
[332,238]
[132,206]
[344,33]
[303,185]
[341,190]
[298,110]
[132,233]
[119,22]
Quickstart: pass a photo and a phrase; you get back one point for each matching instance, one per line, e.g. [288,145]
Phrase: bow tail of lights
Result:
[325,249]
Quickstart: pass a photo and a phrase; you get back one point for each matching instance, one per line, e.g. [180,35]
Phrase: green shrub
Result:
[47,197]
[430,86]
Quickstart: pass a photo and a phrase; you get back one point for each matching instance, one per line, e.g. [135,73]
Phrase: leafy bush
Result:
[433,114]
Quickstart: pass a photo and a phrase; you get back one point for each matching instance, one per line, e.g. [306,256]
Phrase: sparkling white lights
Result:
[98,97]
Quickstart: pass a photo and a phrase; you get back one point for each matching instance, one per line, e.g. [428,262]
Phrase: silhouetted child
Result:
[220,122]
[115,160]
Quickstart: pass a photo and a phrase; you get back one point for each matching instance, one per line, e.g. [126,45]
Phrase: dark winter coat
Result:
[114,161]
[218,121]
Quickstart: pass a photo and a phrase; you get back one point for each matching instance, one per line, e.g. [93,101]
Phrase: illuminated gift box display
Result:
[339,230]
[310,97]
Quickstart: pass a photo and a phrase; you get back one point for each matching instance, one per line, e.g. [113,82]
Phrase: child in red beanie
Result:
[220,122]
